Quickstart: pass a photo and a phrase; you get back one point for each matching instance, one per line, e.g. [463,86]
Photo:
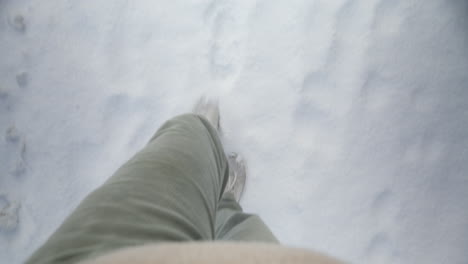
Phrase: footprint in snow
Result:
[18,23]
[9,210]
[13,136]
[22,79]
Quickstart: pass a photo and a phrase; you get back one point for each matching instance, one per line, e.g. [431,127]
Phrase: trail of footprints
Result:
[18,23]
[12,136]
[9,208]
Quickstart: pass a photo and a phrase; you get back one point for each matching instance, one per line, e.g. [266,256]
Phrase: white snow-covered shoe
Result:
[237,176]
[208,108]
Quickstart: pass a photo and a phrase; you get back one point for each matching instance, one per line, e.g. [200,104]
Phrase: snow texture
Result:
[351,114]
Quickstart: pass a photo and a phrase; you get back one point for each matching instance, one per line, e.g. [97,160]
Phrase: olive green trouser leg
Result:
[169,191]
[233,224]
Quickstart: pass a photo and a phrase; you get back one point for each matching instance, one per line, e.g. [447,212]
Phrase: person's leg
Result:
[169,191]
[235,225]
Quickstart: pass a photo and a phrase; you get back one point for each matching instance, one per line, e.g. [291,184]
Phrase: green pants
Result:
[169,191]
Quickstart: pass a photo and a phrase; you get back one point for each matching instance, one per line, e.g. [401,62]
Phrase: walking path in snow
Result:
[351,114]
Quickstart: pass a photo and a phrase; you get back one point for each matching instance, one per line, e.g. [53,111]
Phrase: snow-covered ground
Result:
[352,114]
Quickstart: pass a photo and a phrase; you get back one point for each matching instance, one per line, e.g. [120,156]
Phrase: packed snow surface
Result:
[351,114]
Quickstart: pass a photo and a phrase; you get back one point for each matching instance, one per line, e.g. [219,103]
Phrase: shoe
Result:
[237,176]
[210,110]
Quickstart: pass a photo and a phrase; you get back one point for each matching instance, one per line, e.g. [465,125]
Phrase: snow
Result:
[351,114]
